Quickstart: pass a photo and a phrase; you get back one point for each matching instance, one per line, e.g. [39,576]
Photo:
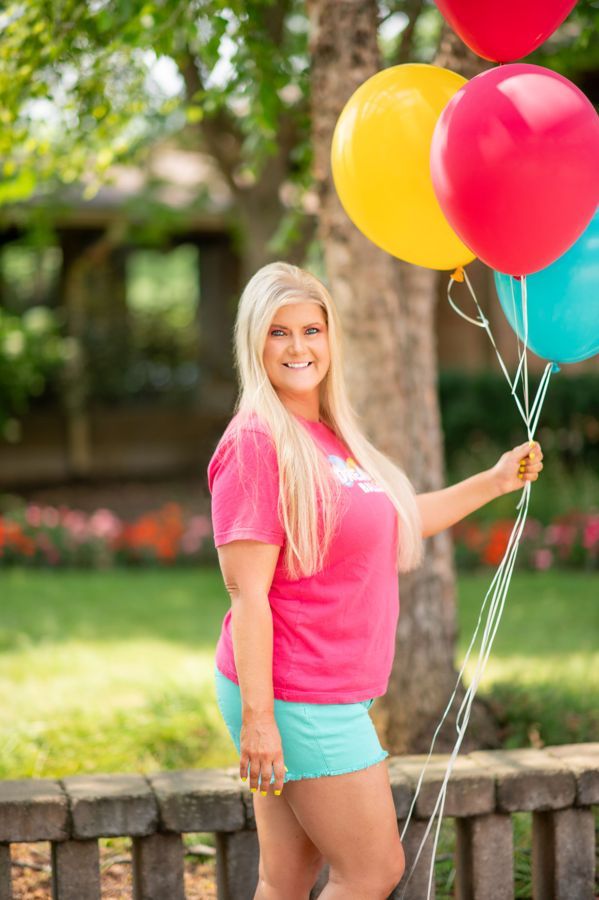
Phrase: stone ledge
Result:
[470,789]
[83,807]
[528,779]
[199,800]
[583,761]
[33,809]
[108,805]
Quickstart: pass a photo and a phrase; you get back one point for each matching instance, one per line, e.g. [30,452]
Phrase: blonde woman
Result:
[312,525]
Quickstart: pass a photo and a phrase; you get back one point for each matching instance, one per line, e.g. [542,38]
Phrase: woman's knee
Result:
[397,868]
[289,860]
[375,877]
[291,875]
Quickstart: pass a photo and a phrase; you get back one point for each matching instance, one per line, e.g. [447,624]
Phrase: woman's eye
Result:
[277,331]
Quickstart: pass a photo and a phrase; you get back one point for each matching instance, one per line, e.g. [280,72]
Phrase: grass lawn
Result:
[542,676]
[109,671]
[112,672]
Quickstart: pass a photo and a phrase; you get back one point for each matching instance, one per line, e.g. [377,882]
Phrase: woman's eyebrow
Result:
[274,325]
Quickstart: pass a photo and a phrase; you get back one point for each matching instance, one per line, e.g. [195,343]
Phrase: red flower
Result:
[498,542]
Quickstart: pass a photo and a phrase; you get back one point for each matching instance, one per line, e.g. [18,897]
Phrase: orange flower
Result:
[497,544]
[165,549]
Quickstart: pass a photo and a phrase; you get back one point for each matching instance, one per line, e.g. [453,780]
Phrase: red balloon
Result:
[504,30]
[514,164]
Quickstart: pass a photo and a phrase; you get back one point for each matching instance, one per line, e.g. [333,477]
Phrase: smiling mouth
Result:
[301,366]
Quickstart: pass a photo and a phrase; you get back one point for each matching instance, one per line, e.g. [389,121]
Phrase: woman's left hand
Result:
[517,466]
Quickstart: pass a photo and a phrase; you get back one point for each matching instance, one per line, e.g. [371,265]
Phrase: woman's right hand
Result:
[262,752]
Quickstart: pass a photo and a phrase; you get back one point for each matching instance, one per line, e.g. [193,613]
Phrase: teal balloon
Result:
[562,302]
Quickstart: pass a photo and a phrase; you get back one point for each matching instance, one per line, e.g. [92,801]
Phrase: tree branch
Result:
[413,10]
[223,136]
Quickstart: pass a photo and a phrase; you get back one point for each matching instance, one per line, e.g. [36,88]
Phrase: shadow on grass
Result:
[51,606]
[544,714]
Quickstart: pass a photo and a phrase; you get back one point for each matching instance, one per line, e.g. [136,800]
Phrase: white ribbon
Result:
[498,589]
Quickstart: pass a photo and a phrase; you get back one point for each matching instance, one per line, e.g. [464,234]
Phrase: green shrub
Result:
[31,350]
[479,415]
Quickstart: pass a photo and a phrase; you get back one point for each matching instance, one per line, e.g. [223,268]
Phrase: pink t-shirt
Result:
[334,632]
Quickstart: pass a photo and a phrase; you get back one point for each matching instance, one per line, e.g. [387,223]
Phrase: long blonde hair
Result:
[308,490]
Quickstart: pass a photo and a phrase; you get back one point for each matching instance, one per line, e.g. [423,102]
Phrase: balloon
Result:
[562,302]
[506,30]
[514,164]
[380,161]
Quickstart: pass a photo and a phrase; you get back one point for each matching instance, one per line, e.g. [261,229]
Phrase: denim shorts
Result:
[318,738]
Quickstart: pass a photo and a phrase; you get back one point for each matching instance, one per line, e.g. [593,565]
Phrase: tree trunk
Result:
[260,211]
[387,310]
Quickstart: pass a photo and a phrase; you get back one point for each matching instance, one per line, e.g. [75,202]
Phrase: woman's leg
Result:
[351,819]
[289,861]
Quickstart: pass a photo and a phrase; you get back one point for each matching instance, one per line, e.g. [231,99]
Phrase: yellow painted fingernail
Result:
[531,454]
[520,475]
[244,779]
[264,793]
[286,769]
[253,790]
[277,793]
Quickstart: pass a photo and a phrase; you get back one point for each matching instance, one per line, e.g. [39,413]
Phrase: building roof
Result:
[183,184]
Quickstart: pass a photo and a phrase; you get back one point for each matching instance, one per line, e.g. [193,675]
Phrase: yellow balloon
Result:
[380,159]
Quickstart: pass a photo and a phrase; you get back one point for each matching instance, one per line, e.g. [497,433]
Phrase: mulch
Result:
[31,874]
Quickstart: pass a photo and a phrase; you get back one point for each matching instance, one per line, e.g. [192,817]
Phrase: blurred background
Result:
[153,156]
[137,198]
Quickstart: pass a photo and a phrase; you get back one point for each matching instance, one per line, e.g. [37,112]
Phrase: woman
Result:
[312,525]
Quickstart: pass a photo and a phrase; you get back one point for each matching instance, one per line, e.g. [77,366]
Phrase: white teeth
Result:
[297,365]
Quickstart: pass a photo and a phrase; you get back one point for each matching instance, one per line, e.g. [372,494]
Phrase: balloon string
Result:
[483,322]
[495,614]
[458,681]
[500,584]
[498,592]
[524,296]
[521,370]
[517,318]
[540,396]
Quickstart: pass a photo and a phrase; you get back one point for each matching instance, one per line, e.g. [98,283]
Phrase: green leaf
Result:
[19,188]
[194,114]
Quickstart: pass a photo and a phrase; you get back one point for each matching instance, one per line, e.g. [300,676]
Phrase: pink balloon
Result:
[515,166]
[504,30]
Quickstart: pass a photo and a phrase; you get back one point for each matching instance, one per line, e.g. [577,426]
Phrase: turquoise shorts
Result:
[318,738]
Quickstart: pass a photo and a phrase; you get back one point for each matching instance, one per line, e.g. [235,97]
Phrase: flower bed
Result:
[571,541]
[60,537]
[36,535]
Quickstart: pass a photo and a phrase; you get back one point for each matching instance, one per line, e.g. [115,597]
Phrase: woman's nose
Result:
[297,342]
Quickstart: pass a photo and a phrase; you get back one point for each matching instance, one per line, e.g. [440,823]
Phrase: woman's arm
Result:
[441,509]
[248,568]
[252,633]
